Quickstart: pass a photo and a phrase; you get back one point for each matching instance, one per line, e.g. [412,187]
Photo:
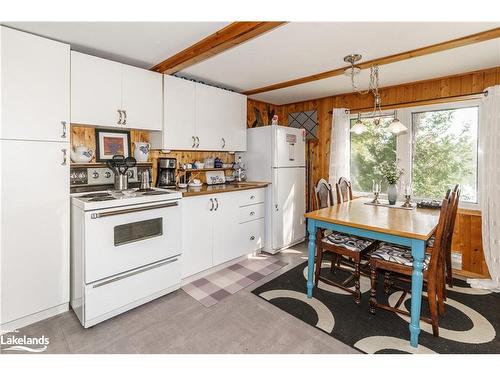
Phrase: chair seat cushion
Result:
[349,242]
[397,254]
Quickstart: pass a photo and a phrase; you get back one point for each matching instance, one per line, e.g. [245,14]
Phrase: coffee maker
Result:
[166,172]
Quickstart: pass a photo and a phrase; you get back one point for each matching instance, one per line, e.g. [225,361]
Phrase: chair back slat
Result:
[344,190]
[323,194]
[440,236]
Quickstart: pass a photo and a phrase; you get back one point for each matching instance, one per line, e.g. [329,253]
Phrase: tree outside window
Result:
[445,152]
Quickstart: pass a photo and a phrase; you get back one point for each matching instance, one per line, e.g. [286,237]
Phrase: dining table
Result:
[396,225]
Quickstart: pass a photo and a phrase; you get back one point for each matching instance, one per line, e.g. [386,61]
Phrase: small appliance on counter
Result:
[166,173]
[215,177]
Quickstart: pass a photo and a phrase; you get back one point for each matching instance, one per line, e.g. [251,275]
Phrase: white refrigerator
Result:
[276,154]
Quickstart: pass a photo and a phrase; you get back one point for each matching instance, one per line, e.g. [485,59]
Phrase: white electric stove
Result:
[125,250]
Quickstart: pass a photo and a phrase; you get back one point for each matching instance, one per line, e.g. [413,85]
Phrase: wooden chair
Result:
[449,274]
[344,190]
[323,195]
[398,259]
[339,244]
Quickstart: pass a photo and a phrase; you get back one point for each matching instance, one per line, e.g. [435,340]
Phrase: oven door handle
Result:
[98,215]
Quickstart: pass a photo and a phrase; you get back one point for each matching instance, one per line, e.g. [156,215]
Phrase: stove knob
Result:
[107,174]
[95,175]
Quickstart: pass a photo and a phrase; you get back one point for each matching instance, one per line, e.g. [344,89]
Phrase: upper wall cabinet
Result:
[201,117]
[35,87]
[107,93]
[179,115]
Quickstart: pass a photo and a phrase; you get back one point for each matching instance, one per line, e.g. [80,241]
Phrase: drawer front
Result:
[105,296]
[252,196]
[252,234]
[252,212]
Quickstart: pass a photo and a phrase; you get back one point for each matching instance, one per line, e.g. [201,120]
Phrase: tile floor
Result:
[177,323]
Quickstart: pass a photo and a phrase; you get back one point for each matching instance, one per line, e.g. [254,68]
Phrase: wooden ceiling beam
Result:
[439,47]
[228,37]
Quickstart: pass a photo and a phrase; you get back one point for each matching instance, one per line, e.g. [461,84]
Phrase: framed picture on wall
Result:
[110,143]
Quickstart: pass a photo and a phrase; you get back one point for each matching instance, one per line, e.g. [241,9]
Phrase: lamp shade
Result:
[358,127]
[396,127]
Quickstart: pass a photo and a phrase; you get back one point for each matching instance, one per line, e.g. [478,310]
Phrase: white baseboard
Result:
[33,318]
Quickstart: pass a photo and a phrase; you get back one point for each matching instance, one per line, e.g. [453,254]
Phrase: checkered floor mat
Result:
[215,287]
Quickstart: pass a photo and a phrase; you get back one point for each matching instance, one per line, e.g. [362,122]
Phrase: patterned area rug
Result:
[470,323]
[215,287]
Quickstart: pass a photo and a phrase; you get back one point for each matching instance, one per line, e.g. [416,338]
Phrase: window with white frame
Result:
[438,151]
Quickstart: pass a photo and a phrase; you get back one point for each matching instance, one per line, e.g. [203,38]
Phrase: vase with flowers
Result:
[390,171]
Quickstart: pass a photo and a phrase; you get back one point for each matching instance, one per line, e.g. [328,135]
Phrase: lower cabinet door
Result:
[252,234]
[227,242]
[197,217]
[34,231]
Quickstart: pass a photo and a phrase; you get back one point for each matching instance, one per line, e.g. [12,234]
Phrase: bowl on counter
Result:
[182,186]
[230,178]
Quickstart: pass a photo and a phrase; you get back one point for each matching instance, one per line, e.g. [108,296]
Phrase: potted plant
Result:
[391,172]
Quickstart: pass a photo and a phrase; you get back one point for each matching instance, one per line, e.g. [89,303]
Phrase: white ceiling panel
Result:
[142,44]
[299,49]
[459,60]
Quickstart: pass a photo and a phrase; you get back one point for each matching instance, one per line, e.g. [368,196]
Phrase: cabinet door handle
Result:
[197,142]
[252,197]
[120,118]
[252,238]
[212,202]
[65,158]
[252,213]
[194,141]
[223,143]
[63,123]
[124,117]
[217,204]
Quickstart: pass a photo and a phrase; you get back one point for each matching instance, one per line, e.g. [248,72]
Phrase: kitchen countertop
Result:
[224,188]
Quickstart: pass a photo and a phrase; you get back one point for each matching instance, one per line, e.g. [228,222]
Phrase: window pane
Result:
[445,152]
[369,150]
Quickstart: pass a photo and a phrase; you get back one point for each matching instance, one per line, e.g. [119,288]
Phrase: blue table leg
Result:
[418,253]
[311,228]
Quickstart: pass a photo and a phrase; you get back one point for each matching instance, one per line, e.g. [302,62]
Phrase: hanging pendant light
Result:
[358,127]
[396,127]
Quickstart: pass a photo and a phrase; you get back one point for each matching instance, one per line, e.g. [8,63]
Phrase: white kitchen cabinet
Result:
[179,127]
[34,231]
[35,86]
[107,93]
[214,232]
[96,90]
[197,234]
[232,128]
[226,239]
[201,117]
[210,112]
[142,98]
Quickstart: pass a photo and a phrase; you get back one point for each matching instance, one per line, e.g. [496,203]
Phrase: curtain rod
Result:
[485,93]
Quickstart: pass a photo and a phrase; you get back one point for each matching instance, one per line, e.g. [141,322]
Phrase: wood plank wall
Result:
[83,135]
[468,229]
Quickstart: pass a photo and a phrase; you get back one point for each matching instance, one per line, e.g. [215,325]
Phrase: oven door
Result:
[123,238]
